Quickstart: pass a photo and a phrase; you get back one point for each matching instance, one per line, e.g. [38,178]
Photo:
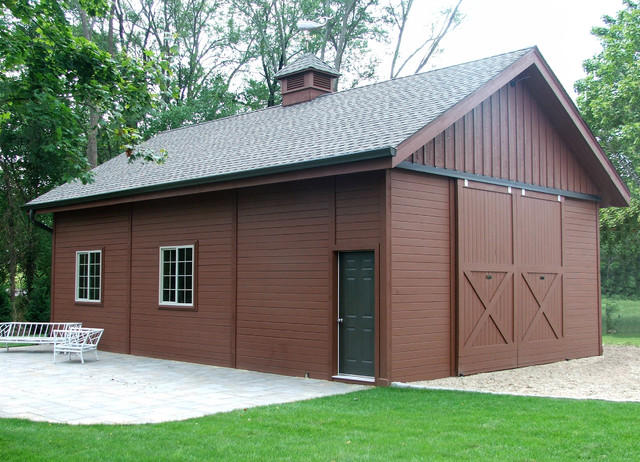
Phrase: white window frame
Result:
[88,288]
[176,276]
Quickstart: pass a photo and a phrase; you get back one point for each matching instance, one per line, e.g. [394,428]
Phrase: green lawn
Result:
[386,424]
[627,327]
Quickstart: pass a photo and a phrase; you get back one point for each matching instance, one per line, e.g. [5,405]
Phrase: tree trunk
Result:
[110,39]
[92,134]
[92,138]
[10,227]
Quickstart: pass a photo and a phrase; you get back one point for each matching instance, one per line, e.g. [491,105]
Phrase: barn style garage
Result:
[439,224]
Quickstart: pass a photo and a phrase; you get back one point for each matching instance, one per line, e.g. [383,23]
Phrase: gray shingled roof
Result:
[332,128]
[307,61]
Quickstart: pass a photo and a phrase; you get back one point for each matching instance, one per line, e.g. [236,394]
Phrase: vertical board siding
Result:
[581,247]
[96,229]
[420,280]
[203,335]
[508,136]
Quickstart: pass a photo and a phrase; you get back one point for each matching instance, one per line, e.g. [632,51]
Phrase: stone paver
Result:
[125,389]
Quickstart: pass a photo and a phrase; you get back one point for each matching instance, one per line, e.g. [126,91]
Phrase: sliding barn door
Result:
[539,280]
[510,310]
[486,281]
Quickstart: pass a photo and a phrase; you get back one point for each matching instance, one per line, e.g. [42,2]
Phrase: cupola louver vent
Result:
[295,81]
[321,81]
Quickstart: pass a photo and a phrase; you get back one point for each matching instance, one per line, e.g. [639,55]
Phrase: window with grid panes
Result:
[176,275]
[89,276]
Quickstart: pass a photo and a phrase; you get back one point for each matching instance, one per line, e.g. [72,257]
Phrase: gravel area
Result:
[614,376]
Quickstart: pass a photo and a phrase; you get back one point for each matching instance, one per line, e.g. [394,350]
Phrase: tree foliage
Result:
[50,81]
[609,97]
[609,100]
[620,250]
[84,80]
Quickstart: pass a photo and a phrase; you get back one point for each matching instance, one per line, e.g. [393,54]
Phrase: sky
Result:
[560,28]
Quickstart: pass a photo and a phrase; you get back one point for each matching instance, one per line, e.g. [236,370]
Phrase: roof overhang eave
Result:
[377,153]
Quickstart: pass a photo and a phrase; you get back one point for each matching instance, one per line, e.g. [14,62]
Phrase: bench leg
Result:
[96,351]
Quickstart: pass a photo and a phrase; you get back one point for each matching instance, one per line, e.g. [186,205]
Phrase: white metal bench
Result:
[32,332]
[76,340]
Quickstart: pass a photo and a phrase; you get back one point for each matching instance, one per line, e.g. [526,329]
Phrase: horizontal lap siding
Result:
[581,289]
[421,277]
[202,336]
[357,209]
[508,136]
[96,229]
[283,302]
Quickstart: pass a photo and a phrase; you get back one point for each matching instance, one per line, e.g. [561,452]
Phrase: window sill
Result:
[88,303]
[177,308]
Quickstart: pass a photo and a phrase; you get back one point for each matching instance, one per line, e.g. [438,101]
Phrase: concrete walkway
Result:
[125,389]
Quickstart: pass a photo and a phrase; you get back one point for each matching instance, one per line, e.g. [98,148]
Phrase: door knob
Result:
[340,320]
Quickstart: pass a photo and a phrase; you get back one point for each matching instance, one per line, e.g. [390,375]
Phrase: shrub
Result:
[611,317]
[5,304]
[38,307]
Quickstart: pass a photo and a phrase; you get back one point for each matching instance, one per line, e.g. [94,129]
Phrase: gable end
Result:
[509,136]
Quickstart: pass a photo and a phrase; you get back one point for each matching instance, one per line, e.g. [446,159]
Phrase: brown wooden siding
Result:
[581,289]
[508,136]
[284,306]
[197,336]
[540,278]
[264,275]
[486,274]
[421,275]
[283,285]
[107,229]
[357,204]
[528,278]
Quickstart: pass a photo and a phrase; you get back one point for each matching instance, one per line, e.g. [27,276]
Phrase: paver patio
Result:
[126,389]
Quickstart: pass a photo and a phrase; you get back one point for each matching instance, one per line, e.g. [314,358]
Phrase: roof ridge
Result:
[395,79]
[346,90]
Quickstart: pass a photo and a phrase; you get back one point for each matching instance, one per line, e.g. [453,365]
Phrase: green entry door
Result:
[356,326]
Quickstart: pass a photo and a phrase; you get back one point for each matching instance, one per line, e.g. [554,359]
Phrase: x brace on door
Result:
[489,308]
[542,306]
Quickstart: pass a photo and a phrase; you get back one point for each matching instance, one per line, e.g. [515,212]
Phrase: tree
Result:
[609,97]
[270,27]
[50,82]
[620,250]
[200,52]
[351,24]
[399,13]
[609,100]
